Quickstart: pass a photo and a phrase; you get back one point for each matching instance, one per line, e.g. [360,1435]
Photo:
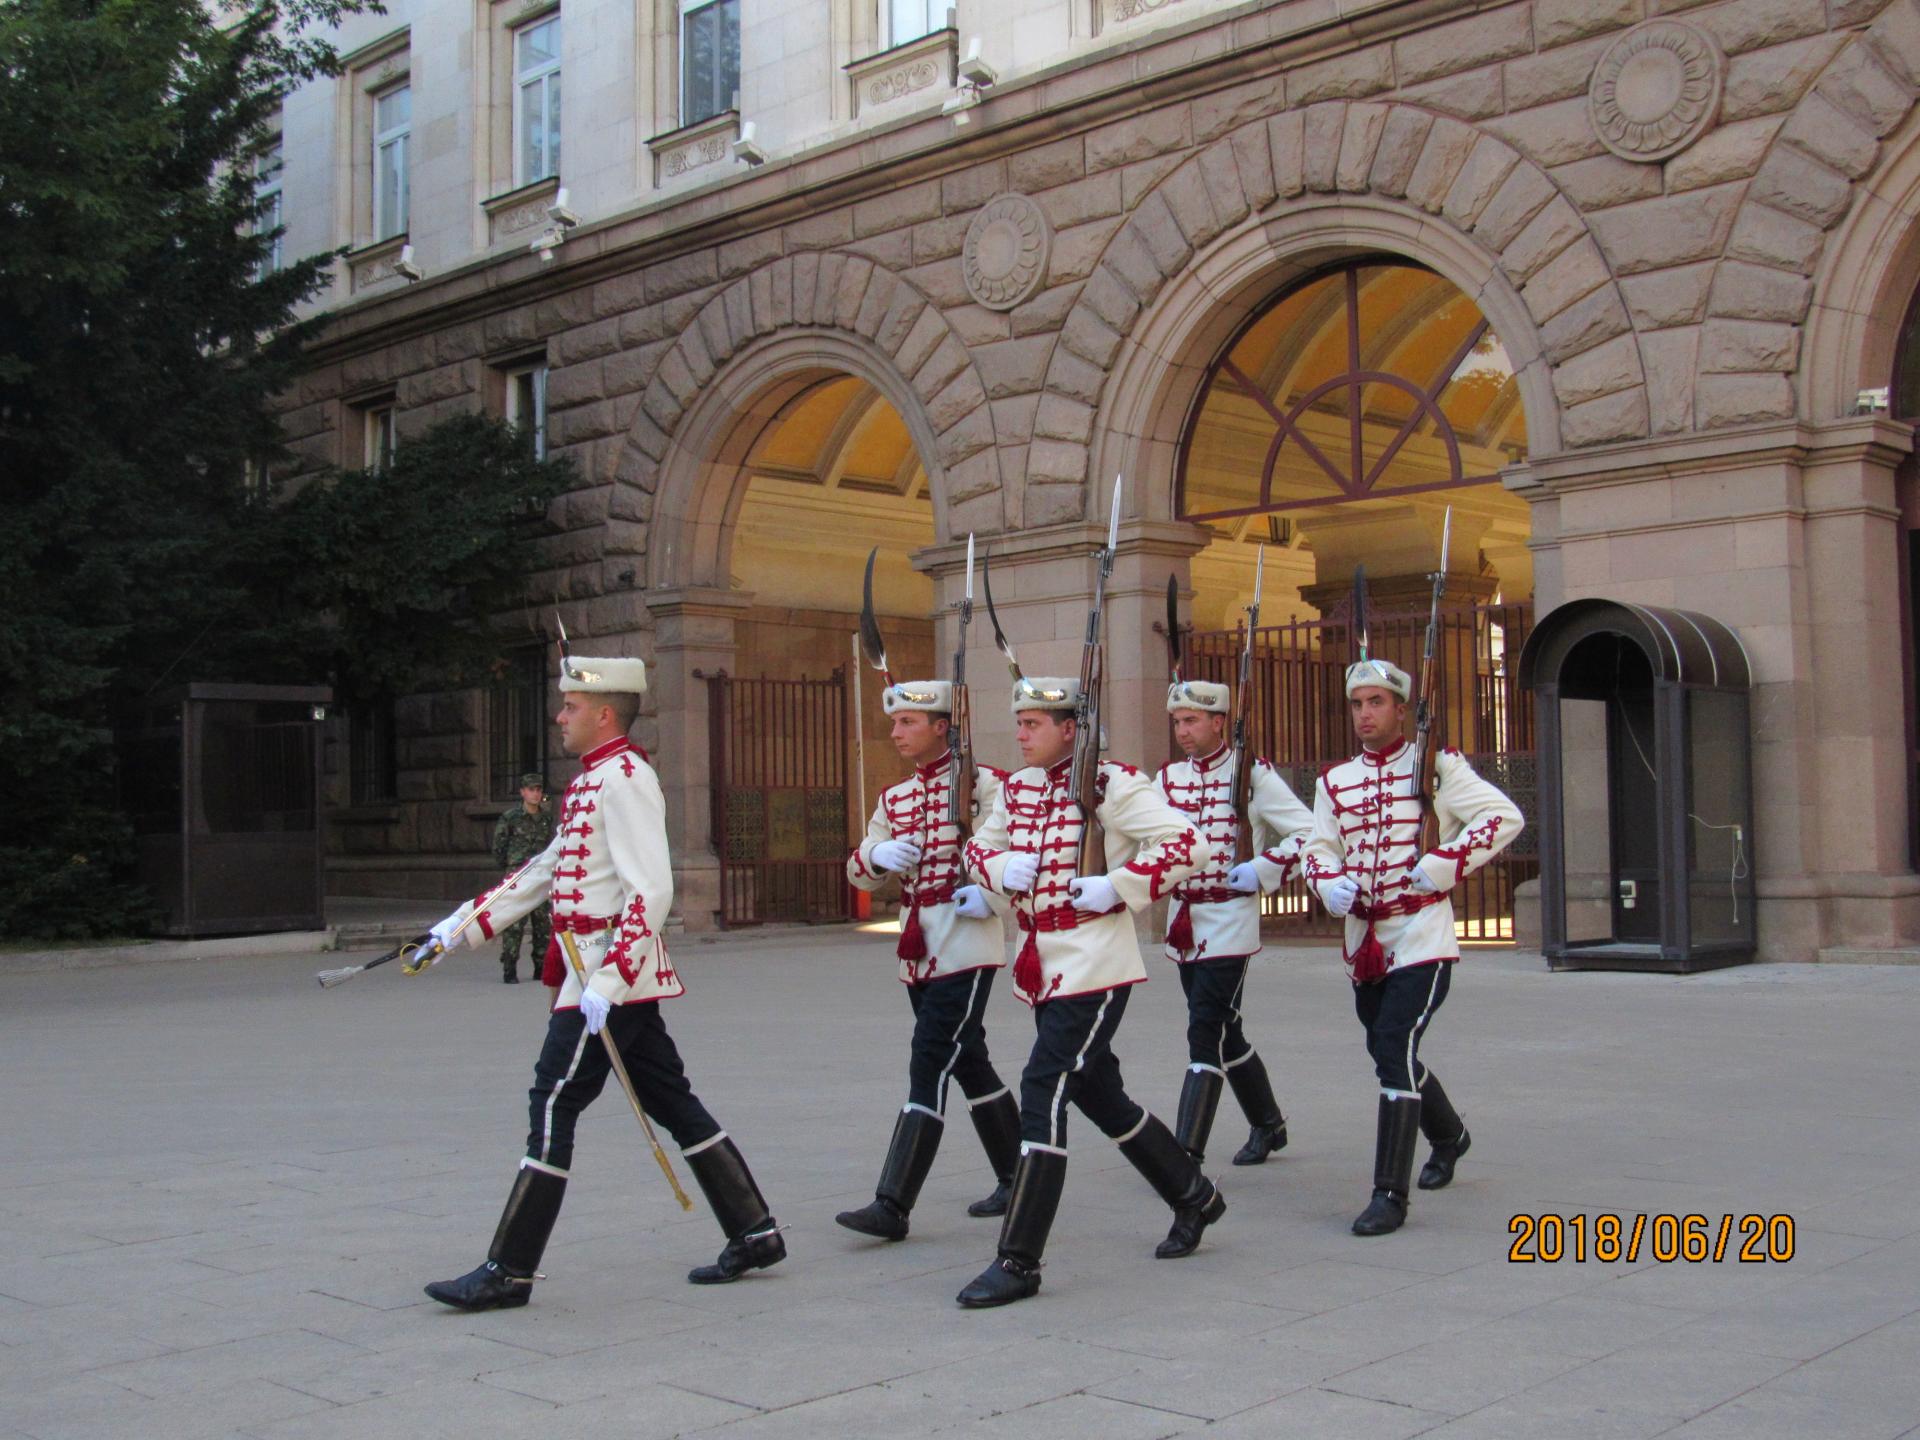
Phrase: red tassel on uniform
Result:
[1026,968]
[1180,929]
[553,968]
[913,940]
[1369,962]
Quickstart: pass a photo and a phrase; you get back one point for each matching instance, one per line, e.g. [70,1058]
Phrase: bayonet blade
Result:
[872,645]
[1360,609]
[1173,624]
[993,615]
[1113,522]
[1446,539]
[1259,578]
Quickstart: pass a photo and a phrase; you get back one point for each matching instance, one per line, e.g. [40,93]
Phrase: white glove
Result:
[443,935]
[1093,893]
[1339,895]
[1244,878]
[1418,882]
[970,903]
[1019,873]
[594,1009]
[896,855]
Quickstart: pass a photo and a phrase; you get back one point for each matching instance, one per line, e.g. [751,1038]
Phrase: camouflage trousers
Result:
[510,941]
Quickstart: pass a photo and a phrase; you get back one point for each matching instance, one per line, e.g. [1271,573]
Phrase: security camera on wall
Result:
[974,70]
[405,268]
[559,213]
[547,241]
[747,148]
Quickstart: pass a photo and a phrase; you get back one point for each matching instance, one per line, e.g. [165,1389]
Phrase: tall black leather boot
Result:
[1015,1274]
[1195,1200]
[506,1279]
[1254,1091]
[997,1122]
[753,1240]
[916,1138]
[1445,1131]
[1199,1099]
[1398,1128]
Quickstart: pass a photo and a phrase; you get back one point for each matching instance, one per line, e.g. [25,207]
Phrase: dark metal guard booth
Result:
[1646,788]
[223,785]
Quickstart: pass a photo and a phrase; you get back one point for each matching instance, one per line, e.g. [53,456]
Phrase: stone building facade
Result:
[1688,229]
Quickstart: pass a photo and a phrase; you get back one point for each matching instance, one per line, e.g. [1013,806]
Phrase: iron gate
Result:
[1300,723]
[779,751]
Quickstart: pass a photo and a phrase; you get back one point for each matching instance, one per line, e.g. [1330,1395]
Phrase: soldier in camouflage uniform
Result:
[522,833]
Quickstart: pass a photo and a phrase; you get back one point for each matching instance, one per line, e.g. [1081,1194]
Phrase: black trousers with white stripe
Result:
[950,1039]
[572,1070]
[1396,1012]
[1073,1061]
[1214,989]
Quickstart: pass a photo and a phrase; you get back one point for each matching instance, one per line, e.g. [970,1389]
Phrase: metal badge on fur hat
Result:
[1045,692]
[1209,696]
[1382,674]
[934,697]
[613,675]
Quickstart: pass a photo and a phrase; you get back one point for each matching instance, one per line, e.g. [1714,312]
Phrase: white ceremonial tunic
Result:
[916,810]
[608,875]
[1207,919]
[1366,825]
[1150,848]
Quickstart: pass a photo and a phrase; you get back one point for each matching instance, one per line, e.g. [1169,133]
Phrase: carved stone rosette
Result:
[1004,259]
[1655,91]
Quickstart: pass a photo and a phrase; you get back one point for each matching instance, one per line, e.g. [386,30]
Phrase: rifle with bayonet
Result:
[1243,756]
[1083,778]
[1425,753]
[960,727]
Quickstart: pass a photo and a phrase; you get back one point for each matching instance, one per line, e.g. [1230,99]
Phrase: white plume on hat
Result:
[932,697]
[1208,696]
[1381,674]
[616,675]
[1045,692]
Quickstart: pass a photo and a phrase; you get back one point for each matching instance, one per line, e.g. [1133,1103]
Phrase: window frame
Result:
[688,10]
[270,184]
[937,14]
[546,74]
[534,372]
[379,434]
[396,139]
[522,685]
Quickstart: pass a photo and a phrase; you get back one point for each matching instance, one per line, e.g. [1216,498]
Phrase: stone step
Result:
[1866,955]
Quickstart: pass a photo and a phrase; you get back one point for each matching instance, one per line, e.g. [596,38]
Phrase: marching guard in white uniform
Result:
[951,943]
[1363,861]
[1078,962]
[1213,922]
[609,879]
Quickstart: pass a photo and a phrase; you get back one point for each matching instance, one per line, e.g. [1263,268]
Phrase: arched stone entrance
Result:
[807,442]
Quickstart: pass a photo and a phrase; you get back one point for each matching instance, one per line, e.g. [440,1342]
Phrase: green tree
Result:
[142,344]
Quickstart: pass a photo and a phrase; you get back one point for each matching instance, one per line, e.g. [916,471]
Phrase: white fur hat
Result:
[934,697]
[1045,692]
[1382,674]
[614,676]
[1208,696]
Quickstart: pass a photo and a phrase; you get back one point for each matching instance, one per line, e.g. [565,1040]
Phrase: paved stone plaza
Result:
[225,1188]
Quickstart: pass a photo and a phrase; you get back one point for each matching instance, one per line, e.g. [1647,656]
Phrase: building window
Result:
[709,58]
[536,101]
[517,725]
[911,19]
[271,216]
[526,404]
[1375,379]
[372,775]
[378,419]
[392,125]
